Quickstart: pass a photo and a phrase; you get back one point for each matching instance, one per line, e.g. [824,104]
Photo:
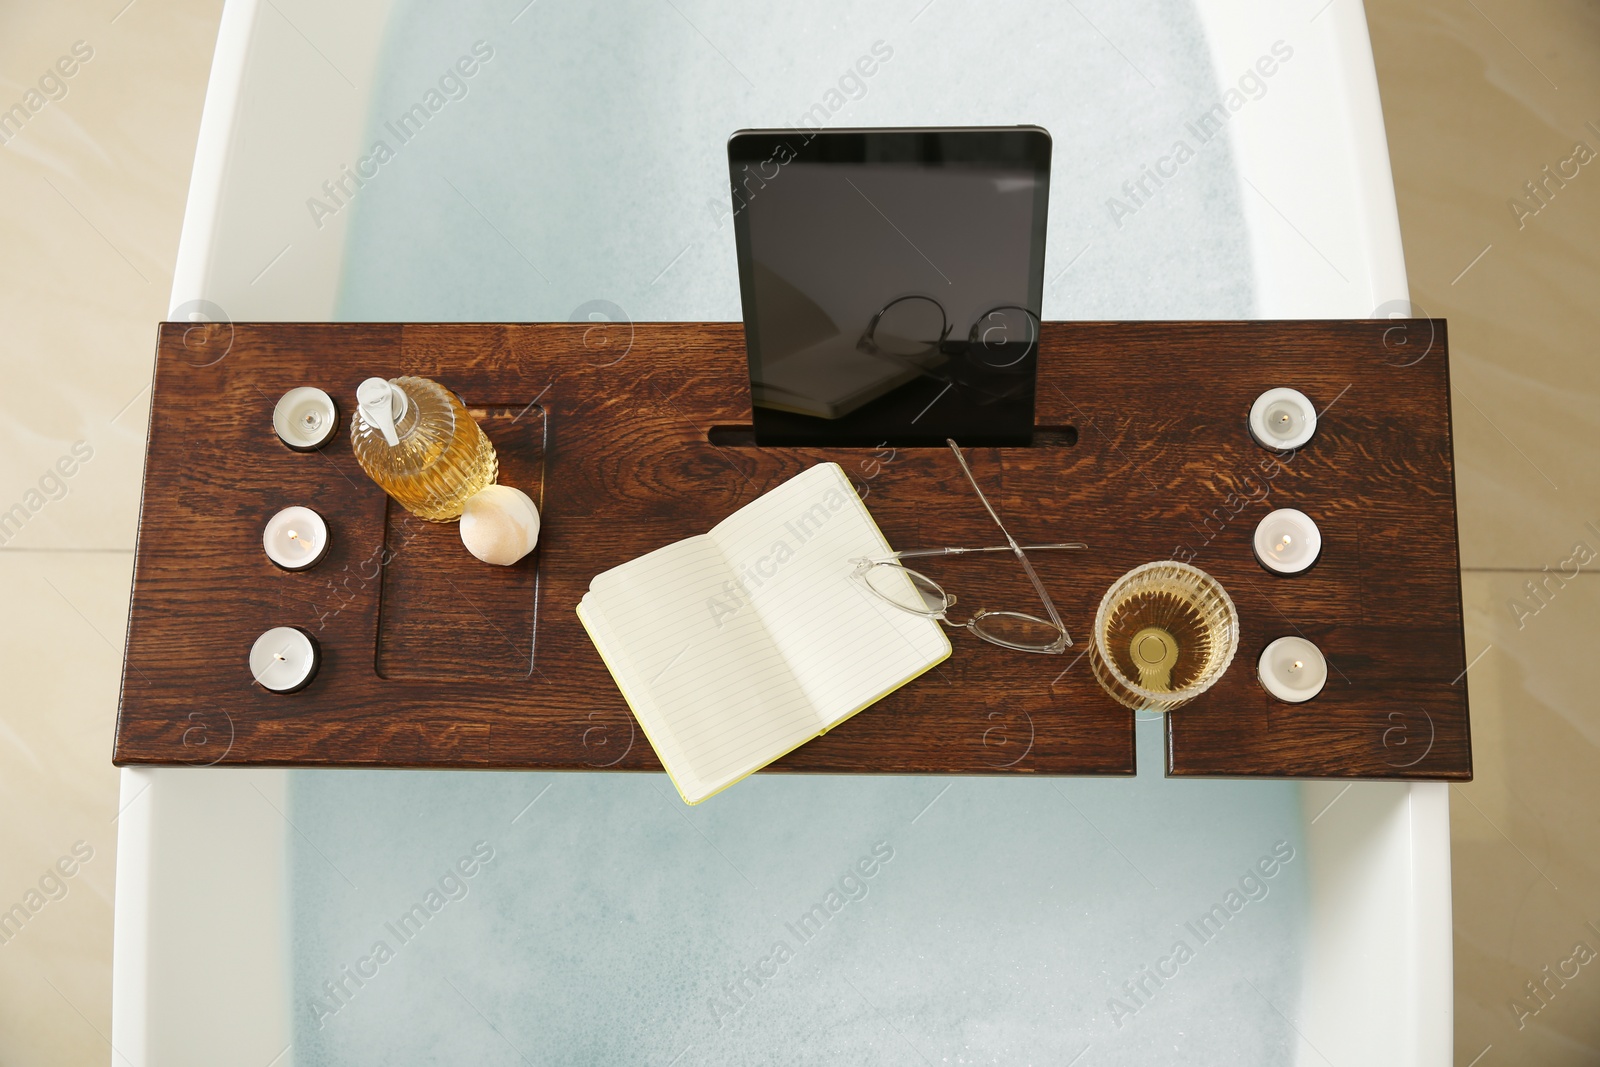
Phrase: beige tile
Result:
[1471,117]
[1478,99]
[1526,831]
[94,187]
[61,656]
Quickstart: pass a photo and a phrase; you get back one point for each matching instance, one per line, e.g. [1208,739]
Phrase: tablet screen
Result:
[892,282]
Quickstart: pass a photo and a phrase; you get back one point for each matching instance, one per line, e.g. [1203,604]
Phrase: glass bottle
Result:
[415,439]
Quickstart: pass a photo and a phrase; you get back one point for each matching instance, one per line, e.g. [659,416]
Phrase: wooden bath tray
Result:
[632,436]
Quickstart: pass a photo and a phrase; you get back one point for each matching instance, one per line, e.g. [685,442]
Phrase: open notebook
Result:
[739,645]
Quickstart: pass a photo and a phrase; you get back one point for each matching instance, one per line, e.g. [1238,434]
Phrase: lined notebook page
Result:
[792,551]
[654,724]
[724,698]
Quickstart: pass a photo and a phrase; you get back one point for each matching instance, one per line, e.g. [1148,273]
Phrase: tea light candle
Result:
[1287,541]
[1292,669]
[295,538]
[1282,419]
[284,659]
[305,418]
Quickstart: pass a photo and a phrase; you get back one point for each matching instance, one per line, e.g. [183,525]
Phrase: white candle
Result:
[1282,419]
[1287,541]
[1292,669]
[295,538]
[284,659]
[305,418]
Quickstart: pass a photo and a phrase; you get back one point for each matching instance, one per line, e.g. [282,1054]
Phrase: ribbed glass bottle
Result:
[431,456]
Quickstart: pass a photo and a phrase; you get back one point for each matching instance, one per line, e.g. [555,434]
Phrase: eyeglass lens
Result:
[910,591]
[906,589]
[1016,629]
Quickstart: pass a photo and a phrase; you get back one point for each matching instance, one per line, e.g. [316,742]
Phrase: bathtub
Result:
[203,946]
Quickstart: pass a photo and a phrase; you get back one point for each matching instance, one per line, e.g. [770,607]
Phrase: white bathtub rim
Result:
[218,119]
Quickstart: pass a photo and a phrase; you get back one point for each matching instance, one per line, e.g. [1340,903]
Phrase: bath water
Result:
[796,919]
[519,918]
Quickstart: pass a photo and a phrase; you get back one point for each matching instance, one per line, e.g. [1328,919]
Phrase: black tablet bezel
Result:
[767,150]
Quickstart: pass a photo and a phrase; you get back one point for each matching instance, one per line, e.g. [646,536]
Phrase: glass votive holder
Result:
[1165,632]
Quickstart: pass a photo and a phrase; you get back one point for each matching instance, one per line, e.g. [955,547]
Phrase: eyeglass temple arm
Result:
[1044,597]
[1033,576]
[920,552]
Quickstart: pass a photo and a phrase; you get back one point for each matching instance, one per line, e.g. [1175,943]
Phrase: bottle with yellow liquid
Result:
[415,439]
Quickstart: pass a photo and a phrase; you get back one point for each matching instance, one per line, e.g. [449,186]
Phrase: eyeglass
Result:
[913,328]
[888,579]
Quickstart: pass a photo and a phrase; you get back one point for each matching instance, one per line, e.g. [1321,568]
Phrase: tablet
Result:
[892,282]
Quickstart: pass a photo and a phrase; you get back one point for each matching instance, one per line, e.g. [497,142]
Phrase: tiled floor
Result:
[1479,95]
[93,187]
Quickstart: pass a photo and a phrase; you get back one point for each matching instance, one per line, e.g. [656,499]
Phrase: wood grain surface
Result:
[433,659]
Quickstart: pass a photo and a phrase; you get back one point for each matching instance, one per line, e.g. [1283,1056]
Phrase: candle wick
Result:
[1297,665]
[293,536]
[277,655]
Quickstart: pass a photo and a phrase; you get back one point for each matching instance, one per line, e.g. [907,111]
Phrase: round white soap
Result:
[500,525]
